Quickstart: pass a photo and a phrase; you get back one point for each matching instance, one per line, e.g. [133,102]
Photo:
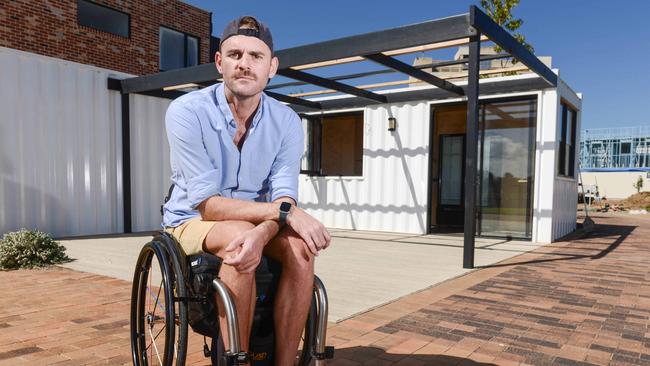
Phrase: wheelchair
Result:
[163,297]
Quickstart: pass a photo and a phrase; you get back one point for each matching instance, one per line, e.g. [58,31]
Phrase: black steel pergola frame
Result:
[370,46]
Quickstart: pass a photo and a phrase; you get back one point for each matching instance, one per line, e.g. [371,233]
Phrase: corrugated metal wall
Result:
[150,169]
[565,204]
[565,190]
[59,147]
[392,193]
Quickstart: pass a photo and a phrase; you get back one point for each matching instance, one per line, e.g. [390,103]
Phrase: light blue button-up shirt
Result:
[206,162]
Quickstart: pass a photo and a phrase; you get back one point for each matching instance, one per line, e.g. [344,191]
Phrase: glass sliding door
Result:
[506,168]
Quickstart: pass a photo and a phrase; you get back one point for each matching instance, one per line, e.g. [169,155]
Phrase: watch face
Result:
[285,206]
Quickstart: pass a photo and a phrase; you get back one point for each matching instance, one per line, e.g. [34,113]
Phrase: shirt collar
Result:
[227,113]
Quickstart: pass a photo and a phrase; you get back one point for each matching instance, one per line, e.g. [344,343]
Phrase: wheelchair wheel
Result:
[157,315]
[180,293]
[307,339]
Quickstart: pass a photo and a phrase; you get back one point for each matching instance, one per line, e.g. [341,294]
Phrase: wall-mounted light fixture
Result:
[392,123]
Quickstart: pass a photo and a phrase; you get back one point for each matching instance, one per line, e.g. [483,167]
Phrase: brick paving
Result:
[579,302]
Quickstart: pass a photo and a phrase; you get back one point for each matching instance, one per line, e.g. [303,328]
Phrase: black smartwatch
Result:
[285,207]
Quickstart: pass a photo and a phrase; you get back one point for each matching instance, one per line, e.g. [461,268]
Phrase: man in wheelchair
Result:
[235,159]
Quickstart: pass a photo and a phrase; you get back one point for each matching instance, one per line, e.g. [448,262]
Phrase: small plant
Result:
[29,249]
[639,184]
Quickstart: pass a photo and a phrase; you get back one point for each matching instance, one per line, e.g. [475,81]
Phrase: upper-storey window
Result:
[177,49]
[102,18]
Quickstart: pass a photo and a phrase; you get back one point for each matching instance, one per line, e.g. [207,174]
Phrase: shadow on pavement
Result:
[610,237]
[368,355]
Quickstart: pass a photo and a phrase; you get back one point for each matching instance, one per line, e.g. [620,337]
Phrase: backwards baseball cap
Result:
[247,26]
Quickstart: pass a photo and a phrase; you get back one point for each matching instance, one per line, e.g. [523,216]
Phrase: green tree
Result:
[501,12]
[639,184]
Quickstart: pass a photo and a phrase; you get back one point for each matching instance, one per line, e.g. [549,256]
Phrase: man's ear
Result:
[217,61]
[274,67]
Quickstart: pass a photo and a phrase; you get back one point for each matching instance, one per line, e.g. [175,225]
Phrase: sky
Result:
[602,48]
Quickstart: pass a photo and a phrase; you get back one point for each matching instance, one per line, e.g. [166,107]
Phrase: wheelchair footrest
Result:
[327,355]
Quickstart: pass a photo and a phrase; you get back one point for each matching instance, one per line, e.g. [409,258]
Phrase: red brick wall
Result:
[49,27]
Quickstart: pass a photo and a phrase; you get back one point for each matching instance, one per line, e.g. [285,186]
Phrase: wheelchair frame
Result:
[164,248]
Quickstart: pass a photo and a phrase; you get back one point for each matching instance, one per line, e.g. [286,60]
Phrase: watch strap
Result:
[285,207]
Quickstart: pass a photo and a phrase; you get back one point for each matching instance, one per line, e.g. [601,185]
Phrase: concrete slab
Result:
[361,270]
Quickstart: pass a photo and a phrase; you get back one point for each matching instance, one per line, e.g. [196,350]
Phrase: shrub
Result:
[638,185]
[29,249]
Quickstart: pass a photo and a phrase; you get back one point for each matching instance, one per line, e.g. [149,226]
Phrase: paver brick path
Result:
[580,302]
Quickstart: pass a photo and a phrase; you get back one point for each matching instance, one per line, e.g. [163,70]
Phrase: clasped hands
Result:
[244,252]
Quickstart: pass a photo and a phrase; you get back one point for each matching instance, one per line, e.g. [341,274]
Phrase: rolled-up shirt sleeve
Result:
[283,180]
[189,157]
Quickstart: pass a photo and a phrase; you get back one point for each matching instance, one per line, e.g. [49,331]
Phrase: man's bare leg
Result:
[294,292]
[241,286]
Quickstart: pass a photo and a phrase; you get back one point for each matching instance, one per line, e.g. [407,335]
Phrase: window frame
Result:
[567,149]
[316,142]
[185,48]
[128,17]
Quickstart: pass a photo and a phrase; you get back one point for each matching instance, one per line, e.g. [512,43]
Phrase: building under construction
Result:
[613,160]
[615,148]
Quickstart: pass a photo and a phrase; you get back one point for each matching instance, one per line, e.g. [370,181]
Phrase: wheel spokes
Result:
[155,347]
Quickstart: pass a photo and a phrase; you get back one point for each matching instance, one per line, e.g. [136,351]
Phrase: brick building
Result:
[137,37]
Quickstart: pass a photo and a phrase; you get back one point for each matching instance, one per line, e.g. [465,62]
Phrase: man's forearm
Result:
[270,228]
[218,208]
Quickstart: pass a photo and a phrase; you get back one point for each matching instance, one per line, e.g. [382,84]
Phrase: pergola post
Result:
[471,149]
[126,163]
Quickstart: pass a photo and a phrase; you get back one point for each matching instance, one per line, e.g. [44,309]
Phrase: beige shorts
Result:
[191,234]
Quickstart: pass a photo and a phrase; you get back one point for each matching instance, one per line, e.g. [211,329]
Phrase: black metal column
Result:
[126,163]
[471,151]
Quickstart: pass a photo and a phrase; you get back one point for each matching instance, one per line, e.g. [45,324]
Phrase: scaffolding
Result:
[615,148]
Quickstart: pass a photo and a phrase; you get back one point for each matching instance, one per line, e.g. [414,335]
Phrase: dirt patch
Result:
[636,201]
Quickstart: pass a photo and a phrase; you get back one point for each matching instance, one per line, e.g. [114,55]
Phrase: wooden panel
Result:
[342,152]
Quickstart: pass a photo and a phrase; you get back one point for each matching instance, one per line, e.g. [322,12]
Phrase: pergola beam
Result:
[440,30]
[488,86]
[398,52]
[414,72]
[432,65]
[407,38]
[485,25]
[331,84]
[294,100]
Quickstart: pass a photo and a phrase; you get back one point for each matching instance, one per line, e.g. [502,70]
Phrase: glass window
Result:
[102,18]
[177,49]
[567,148]
[626,147]
[571,140]
[561,163]
[192,58]
[310,163]
[451,172]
